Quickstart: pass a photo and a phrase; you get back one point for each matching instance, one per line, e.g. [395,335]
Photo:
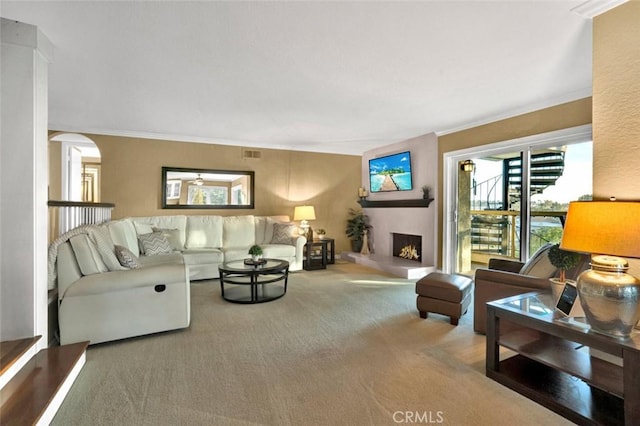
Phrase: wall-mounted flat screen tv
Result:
[391,173]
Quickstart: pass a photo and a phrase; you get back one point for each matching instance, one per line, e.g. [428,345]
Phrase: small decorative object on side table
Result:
[321,233]
[563,260]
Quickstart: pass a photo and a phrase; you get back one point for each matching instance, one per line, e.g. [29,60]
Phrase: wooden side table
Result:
[318,253]
[554,365]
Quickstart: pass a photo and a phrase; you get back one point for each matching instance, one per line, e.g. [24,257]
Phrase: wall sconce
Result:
[468,166]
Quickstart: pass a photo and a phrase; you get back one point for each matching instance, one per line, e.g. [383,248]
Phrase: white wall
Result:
[406,220]
[23,182]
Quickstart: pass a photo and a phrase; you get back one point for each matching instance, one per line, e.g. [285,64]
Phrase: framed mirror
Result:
[207,189]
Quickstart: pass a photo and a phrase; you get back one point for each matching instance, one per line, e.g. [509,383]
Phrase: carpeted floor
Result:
[344,346]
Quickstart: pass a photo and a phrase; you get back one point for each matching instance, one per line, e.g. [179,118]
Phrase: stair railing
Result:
[66,215]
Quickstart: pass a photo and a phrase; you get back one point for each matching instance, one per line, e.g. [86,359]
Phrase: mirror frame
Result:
[250,174]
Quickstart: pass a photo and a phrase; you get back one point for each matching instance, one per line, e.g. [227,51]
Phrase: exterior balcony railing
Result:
[495,233]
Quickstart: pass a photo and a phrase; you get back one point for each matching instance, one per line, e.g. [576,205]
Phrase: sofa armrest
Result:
[505,265]
[106,282]
[492,285]
[299,243]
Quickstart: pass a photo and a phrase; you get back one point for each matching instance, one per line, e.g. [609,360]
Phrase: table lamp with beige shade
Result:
[610,232]
[304,214]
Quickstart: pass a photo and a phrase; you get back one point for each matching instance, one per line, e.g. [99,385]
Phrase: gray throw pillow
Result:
[173,236]
[126,257]
[284,233]
[539,265]
[154,243]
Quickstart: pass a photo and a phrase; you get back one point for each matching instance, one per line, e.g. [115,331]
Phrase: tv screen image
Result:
[391,173]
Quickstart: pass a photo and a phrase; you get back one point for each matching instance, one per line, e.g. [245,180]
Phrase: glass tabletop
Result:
[242,267]
[541,307]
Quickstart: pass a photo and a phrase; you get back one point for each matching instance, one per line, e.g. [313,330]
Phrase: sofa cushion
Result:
[235,253]
[173,236]
[173,257]
[145,225]
[539,264]
[143,228]
[284,233]
[204,232]
[154,243]
[126,257]
[260,224]
[239,231]
[202,256]
[87,256]
[123,233]
[278,251]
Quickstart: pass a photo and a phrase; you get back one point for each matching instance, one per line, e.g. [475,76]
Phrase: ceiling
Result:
[338,77]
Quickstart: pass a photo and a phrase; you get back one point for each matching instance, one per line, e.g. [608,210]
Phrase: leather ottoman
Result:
[445,294]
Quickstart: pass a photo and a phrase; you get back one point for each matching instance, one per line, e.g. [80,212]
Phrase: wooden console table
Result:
[554,366]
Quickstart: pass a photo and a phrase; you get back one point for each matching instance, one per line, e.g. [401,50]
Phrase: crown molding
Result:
[592,8]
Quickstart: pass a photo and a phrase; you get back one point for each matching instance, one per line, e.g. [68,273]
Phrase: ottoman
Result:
[446,294]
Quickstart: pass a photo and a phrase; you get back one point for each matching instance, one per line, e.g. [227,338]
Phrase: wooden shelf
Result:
[560,392]
[564,355]
[421,202]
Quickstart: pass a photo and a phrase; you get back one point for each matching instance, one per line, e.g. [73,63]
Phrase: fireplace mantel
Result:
[421,202]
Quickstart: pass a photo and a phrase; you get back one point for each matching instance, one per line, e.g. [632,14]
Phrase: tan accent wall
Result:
[571,114]
[55,172]
[131,178]
[616,103]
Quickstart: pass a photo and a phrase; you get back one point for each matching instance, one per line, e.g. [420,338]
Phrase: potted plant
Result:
[357,223]
[256,252]
[563,260]
[321,233]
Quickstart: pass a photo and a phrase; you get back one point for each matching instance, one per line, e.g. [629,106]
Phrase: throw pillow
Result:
[154,243]
[126,257]
[173,236]
[87,256]
[284,233]
[539,265]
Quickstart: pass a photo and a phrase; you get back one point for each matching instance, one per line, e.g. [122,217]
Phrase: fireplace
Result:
[407,246]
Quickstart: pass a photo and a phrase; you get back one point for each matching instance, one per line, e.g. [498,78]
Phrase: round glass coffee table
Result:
[249,283]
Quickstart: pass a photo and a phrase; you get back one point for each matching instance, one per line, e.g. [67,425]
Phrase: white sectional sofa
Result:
[204,242]
[100,300]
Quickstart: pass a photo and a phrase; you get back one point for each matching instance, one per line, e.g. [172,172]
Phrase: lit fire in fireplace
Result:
[409,252]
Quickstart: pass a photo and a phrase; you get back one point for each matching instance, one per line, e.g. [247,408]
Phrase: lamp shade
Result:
[603,227]
[304,213]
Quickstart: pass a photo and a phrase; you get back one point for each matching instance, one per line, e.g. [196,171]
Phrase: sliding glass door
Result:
[512,201]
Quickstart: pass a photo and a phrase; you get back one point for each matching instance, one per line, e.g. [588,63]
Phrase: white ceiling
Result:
[341,77]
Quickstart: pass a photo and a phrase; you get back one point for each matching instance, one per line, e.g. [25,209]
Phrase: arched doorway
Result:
[74,168]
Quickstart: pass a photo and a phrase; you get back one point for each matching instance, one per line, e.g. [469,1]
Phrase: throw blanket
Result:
[98,235]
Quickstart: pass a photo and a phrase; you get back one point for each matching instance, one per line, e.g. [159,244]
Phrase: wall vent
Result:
[250,153]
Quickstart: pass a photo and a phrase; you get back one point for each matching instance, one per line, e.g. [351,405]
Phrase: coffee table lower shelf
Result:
[563,393]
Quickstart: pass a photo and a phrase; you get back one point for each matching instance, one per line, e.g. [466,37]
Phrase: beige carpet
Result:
[344,346]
